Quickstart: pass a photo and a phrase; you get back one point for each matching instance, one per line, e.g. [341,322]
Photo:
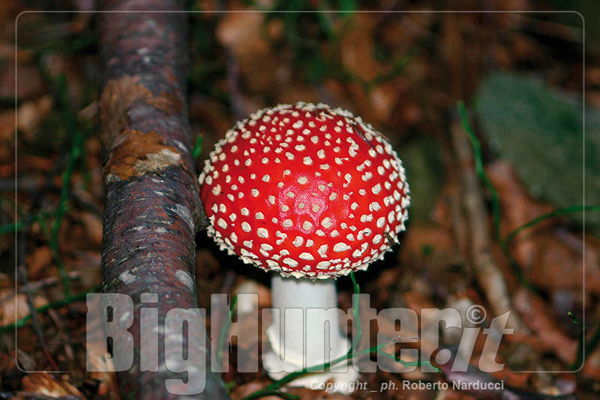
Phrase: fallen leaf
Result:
[548,255]
[38,260]
[591,368]
[7,126]
[14,308]
[93,226]
[244,34]
[31,115]
[96,356]
[535,315]
[245,390]
[517,208]
[29,82]
[44,384]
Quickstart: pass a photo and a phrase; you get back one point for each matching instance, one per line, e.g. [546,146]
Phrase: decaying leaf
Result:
[548,255]
[46,385]
[14,308]
[535,314]
[31,115]
[39,260]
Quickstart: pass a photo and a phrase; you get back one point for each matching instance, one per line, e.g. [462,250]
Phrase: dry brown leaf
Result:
[517,208]
[357,57]
[6,281]
[550,259]
[213,116]
[383,100]
[247,327]
[96,353]
[46,385]
[87,267]
[14,308]
[244,35]
[39,260]
[29,82]
[93,226]
[309,394]
[357,48]
[104,369]
[31,115]
[592,365]
[7,126]
[245,390]
[536,316]
[32,162]
[559,263]
[512,5]
[89,112]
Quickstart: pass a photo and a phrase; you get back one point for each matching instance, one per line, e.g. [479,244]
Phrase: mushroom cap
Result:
[305,190]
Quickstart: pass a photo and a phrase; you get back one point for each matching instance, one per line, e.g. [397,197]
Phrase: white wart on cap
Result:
[305,190]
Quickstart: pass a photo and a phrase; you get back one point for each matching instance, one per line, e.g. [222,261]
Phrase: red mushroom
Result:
[307,191]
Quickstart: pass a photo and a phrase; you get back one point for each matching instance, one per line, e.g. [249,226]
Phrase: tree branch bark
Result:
[152,204]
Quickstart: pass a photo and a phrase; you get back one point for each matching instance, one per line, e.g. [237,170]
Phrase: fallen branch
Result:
[152,207]
[489,275]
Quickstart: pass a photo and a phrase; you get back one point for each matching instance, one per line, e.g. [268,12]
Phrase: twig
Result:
[43,283]
[233,82]
[54,305]
[63,337]
[488,272]
[23,278]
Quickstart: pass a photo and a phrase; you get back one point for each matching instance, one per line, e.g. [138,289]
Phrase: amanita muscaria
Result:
[310,192]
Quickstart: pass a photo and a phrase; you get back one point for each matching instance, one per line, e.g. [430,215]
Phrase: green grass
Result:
[584,349]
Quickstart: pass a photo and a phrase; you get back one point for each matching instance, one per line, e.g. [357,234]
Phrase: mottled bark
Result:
[152,207]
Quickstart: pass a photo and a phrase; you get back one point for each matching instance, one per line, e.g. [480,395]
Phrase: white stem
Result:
[305,330]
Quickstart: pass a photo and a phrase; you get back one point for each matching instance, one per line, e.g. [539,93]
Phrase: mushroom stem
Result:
[305,331]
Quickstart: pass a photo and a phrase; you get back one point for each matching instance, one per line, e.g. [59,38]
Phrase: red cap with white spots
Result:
[305,190]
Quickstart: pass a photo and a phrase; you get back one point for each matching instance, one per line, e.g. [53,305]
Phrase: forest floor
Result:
[501,181]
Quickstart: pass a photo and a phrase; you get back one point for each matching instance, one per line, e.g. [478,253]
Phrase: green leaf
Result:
[539,130]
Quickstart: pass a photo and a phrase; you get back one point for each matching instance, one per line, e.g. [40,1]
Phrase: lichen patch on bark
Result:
[168,103]
[120,95]
[116,100]
[136,153]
